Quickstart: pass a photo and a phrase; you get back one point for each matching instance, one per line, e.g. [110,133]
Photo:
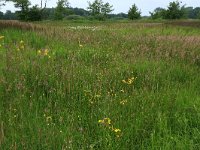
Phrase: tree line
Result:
[96,10]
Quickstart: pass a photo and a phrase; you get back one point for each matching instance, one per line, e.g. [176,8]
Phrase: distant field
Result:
[101,85]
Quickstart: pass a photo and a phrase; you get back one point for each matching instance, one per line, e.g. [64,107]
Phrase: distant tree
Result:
[95,7]
[79,11]
[158,13]
[23,5]
[34,14]
[99,10]
[69,11]
[196,12]
[9,15]
[1,15]
[188,12]
[61,9]
[123,15]
[174,10]
[106,9]
[134,13]
[48,13]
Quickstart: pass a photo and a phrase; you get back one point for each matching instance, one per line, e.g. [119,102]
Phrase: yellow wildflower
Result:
[116,130]
[124,81]
[122,91]
[22,47]
[91,102]
[21,42]
[49,119]
[123,102]
[80,45]
[39,52]
[105,121]
[129,81]
[46,51]
[1,37]
[97,96]
[100,121]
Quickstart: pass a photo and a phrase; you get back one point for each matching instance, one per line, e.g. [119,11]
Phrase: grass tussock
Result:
[115,86]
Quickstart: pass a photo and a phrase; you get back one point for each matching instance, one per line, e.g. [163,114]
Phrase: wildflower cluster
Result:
[1,38]
[123,102]
[21,45]
[107,122]
[129,80]
[44,52]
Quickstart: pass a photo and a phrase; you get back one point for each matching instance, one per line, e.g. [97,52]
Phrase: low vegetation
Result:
[96,10]
[99,86]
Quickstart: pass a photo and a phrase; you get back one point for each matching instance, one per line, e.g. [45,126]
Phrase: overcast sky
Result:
[119,5]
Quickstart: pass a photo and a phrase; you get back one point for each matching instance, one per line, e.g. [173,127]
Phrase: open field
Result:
[102,86]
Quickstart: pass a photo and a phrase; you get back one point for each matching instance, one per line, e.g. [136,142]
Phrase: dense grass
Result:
[59,99]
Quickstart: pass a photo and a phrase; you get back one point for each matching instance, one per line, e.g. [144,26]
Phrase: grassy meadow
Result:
[102,85]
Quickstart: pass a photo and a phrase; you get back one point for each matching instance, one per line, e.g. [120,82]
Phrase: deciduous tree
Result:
[23,5]
[158,13]
[99,9]
[35,14]
[61,9]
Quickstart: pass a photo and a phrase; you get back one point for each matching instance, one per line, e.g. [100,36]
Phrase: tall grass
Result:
[120,86]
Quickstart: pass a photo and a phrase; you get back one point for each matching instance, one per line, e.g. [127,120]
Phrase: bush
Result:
[35,14]
[74,17]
